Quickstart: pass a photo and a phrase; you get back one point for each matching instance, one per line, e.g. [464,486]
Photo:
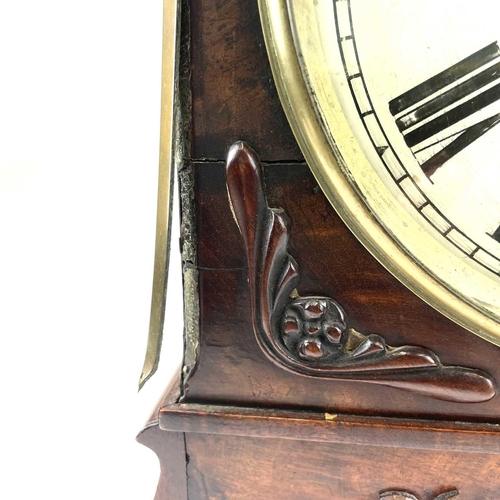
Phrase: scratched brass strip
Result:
[171,26]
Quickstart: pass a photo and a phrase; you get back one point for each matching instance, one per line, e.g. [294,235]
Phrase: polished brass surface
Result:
[297,41]
[171,10]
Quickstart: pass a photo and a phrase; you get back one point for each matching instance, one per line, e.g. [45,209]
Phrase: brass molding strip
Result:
[170,59]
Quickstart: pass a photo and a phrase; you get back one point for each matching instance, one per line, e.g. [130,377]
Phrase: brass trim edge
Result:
[170,64]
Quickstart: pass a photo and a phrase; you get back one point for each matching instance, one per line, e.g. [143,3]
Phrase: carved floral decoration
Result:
[311,336]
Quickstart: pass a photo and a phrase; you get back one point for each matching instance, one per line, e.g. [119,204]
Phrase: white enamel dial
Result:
[439,70]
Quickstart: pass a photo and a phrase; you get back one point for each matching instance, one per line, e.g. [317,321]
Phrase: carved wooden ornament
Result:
[403,495]
[311,336]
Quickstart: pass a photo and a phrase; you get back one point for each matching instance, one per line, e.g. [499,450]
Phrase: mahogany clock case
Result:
[233,98]
[228,95]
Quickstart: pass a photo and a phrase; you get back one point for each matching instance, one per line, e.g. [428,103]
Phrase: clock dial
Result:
[396,107]
[442,119]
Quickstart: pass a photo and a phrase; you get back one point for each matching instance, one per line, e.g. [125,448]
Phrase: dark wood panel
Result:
[233,94]
[242,468]
[232,369]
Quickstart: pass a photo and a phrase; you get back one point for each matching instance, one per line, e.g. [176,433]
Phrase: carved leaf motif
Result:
[397,495]
[402,495]
[311,336]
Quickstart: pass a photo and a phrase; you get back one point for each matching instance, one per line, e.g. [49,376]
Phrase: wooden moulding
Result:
[175,416]
[171,451]
[330,428]
[170,448]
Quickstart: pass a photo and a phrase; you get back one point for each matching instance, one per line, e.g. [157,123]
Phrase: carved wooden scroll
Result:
[403,495]
[311,336]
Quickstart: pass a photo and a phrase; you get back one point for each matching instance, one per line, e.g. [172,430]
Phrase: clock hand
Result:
[461,142]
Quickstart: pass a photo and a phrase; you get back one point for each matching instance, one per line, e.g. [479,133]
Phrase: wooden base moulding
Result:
[223,452]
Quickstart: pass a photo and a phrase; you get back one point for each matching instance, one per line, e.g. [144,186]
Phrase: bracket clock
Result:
[340,239]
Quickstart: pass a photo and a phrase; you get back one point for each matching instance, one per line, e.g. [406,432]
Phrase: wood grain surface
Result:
[315,427]
[245,468]
[233,94]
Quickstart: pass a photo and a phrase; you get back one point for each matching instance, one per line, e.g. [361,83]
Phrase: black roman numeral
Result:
[427,110]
